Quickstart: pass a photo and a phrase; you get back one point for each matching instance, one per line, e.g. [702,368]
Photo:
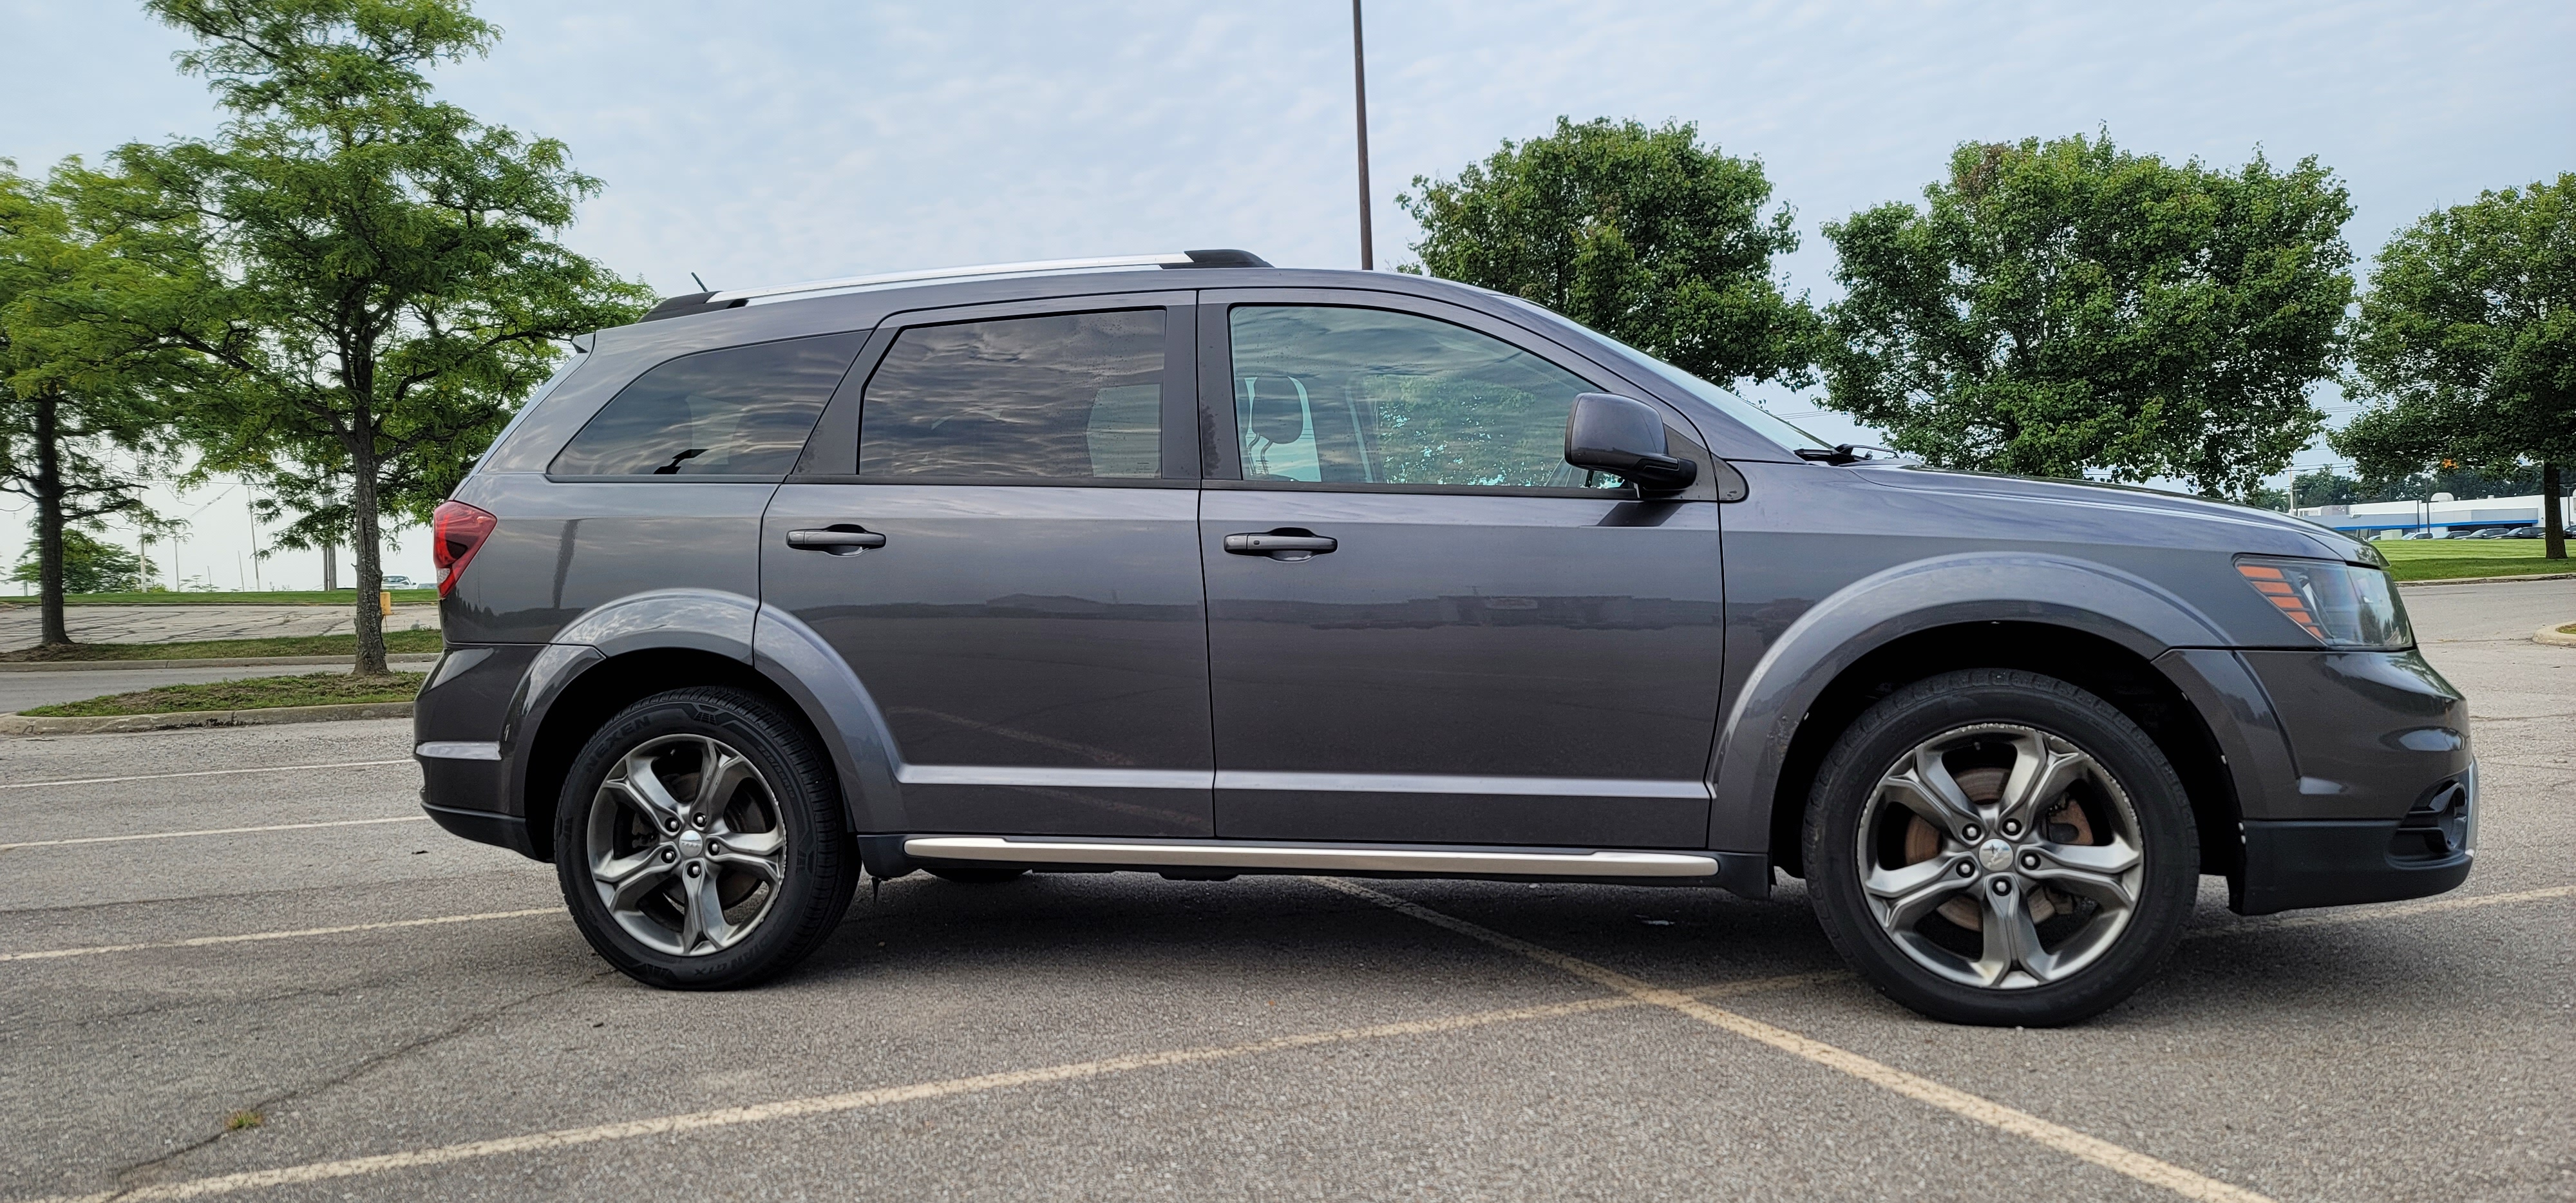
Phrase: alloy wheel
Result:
[687,847]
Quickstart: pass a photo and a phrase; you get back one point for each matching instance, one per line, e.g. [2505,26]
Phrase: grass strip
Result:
[399,642]
[253,693]
[2446,559]
[273,597]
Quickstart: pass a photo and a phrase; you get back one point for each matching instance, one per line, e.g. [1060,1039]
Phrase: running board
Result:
[1313,857]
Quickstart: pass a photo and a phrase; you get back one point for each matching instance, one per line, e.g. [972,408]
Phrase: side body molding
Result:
[800,661]
[1753,742]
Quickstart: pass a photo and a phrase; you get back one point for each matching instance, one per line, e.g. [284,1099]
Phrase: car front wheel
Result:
[2000,847]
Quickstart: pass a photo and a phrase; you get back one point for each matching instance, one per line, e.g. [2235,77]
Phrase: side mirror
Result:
[1624,437]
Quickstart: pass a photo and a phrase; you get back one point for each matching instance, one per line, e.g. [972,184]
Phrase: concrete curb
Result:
[57,666]
[2553,636]
[20,724]
[2488,580]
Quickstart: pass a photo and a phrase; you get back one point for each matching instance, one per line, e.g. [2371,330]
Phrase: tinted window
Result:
[1366,395]
[1069,396]
[739,411]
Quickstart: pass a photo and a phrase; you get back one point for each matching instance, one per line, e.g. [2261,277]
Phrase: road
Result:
[412,1016]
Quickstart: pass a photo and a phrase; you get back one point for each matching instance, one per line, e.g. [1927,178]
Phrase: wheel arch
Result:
[2099,628]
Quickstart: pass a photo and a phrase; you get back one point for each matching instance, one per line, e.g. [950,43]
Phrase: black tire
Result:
[1986,709]
[978,875]
[808,881]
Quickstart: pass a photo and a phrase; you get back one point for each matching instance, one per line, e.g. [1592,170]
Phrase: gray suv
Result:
[1186,564]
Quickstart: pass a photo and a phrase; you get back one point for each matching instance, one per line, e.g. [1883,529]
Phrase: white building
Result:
[2439,517]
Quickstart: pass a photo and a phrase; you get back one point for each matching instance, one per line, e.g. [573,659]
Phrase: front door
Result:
[1012,569]
[1424,626]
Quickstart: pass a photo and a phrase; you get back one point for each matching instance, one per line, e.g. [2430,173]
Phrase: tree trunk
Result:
[2554,523]
[363,549]
[330,566]
[49,519]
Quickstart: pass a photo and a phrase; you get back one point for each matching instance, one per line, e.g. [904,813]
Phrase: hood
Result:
[2134,498]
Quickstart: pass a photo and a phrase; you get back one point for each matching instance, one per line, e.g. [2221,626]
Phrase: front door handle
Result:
[842,540]
[1288,544]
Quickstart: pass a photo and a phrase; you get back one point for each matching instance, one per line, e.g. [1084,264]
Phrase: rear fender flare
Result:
[802,663]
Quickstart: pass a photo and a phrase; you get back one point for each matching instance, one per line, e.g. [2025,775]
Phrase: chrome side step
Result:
[1311,857]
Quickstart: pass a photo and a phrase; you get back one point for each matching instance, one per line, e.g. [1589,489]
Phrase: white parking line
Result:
[2066,1140]
[281,768]
[252,937]
[695,1121]
[174,835]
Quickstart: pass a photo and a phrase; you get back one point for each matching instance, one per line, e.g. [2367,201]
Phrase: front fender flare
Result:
[1753,742]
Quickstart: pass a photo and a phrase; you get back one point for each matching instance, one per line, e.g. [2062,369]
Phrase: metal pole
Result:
[1359,96]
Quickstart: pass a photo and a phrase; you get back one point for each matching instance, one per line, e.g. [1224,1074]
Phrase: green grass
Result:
[2446,559]
[311,597]
[319,689]
[397,642]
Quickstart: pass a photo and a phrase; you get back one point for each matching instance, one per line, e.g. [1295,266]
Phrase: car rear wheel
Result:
[699,841]
[2000,847]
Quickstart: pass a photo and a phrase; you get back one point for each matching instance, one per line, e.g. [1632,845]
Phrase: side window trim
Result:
[832,454]
[1222,443]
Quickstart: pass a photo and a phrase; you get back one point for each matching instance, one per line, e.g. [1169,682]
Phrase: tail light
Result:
[457,531]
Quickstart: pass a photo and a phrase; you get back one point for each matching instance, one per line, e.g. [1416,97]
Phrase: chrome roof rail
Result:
[1226,258]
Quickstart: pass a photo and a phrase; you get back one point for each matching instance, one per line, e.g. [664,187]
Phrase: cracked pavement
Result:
[2387,1053]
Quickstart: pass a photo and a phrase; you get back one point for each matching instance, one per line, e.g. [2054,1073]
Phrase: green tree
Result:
[390,284]
[2064,305]
[2466,344]
[1642,234]
[88,564]
[83,422]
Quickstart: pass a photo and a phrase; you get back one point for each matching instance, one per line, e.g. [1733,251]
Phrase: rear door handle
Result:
[844,540]
[1281,544]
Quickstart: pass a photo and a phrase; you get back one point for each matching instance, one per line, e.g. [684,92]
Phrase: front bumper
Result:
[2337,862]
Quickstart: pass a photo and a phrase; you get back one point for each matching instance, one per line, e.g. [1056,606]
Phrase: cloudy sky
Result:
[756,143]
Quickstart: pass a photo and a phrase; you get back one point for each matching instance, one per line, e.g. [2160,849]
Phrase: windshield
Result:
[1764,423]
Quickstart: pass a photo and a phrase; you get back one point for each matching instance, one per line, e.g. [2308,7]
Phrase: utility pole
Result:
[1359,96]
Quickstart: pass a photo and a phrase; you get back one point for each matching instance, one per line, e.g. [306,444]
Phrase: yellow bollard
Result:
[384,603]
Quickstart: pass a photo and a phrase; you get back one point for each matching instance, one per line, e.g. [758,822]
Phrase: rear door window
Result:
[1076,396]
[741,411]
[1332,395]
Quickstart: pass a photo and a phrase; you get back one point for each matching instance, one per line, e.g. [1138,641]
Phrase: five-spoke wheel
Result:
[700,841]
[2000,847]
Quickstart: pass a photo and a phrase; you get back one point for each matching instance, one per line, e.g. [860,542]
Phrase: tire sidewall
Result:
[814,889]
[1865,751]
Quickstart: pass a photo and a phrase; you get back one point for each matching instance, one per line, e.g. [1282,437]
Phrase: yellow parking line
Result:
[566,1138]
[174,835]
[275,768]
[2066,1140]
[251,937]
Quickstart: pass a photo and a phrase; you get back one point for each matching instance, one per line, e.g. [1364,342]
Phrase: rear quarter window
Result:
[740,411]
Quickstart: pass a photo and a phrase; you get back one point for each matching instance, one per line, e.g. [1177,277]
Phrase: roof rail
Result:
[1216,258]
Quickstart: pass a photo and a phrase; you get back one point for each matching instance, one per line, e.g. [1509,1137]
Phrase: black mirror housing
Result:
[1624,437]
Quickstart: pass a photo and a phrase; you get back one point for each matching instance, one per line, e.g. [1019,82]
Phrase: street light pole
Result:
[1359,96]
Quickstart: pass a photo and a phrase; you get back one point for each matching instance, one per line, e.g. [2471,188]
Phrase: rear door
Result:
[1424,625]
[996,528]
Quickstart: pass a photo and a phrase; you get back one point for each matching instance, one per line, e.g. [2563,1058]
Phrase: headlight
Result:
[2343,605]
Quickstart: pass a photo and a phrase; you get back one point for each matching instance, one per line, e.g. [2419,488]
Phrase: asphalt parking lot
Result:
[412,1016]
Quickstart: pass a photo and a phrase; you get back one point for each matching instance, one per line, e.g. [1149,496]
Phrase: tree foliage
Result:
[388,280]
[83,418]
[2466,342]
[89,565]
[2064,305]
[1642,234]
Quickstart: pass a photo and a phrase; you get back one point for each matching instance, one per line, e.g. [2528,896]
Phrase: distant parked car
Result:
[399,582]
[2486,532]
[2526,532]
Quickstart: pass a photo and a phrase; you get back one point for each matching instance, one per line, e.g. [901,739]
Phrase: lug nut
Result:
[671,826]
[2030,860]
[715,849]
[2012,827]
[1967,868]
[701,819]
[1970,832]
[2003,885]
[693,870]
[669,855]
